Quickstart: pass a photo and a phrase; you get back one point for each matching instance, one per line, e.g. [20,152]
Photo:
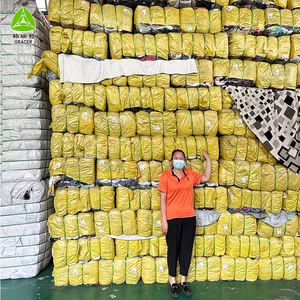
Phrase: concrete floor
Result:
[41,287]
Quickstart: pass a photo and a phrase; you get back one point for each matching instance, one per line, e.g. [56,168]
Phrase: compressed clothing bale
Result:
[209,245]
[117,99]
[289,229]
[211,198]
[148,270]
[83,43]
[278,22]
[234,71]
[231,123]
[161,270]
[291,200]
[208,268]
[70,13]
[203,78]
[114,171]
[78,169]
[259,200]
[255,176]
[239,269]
[156,19]
[243,148]
[128,248]
[277,268]
[236,224]
[105,272]
[115,124]
[168,46]
[133,270]
[71,226]
[109,18]
[72,118]
[243,20]
[260,48]
[73,200]
[78,93]
[68,252]
[295,48]
[276,76]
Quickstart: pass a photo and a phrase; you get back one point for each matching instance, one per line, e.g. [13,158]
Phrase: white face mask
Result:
[178,164]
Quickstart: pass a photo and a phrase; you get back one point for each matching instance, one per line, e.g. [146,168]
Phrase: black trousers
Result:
[180,241]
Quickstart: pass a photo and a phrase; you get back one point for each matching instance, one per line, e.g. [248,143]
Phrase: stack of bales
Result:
[25,146]
[112,141]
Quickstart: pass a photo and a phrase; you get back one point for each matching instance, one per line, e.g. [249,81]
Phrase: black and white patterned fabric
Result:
[274,117]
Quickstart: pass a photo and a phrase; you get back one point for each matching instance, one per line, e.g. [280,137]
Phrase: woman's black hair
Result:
[178,150]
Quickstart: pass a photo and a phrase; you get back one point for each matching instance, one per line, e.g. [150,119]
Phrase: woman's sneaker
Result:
[174,290]
[185,288]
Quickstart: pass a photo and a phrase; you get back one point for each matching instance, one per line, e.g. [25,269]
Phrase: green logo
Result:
[23,21]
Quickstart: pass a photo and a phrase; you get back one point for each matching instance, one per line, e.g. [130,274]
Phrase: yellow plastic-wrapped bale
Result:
[49,60]
[161,270]
[278,22]
[71,226]
[83,43]
[239,269]
[109,18]
[242,19]
[277,268]
[78,169]
[128,248]
[101,223]
[144,222]
[295,48]
[209,197]
[196,123]
[72,118]
[119,271]
[133,270]
[87,94]
[115,124]
[70,13]
[155,123]
[156,223]
[129,224]
[294,180]
[105,272]
[71,200]
[289,228]
[276,76]
[61,276]
[209,245]
[291,200]
[120,98]
[102,198]
[242,246]
[103,248]
[231,123]
[204,76]
[192,98]
[156,19]
[115,222]
[236,224]
[270,202]
[148,270]
[59,250]
[269,247]
[208,268]
[289,246]
[243,148]
[246,48]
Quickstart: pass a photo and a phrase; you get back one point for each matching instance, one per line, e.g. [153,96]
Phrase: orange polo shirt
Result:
[180,193]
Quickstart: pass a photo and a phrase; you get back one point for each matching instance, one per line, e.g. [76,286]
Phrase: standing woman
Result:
[178,216]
